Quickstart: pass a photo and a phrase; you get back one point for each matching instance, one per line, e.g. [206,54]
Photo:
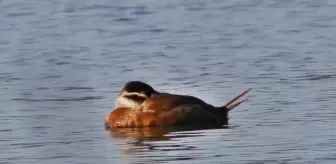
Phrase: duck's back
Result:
[166,101]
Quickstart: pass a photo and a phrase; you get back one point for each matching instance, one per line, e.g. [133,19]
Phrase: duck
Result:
[140,105]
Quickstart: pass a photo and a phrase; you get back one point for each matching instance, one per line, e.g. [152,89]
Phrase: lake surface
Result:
[63,63]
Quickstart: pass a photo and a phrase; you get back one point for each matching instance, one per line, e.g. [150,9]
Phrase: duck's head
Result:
[133,94]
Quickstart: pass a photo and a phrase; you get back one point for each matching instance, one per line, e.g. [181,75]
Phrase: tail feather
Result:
[235,105]
[231,105]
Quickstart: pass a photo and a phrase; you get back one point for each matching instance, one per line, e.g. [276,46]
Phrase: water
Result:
[63,63]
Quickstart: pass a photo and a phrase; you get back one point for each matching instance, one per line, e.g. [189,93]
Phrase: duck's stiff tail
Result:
[231,105]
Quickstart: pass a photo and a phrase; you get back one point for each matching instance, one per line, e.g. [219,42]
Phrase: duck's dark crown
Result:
[138,87]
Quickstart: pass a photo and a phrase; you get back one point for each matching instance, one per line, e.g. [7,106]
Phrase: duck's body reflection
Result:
[145,139]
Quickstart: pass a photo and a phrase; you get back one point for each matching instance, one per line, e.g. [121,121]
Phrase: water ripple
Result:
[60,99]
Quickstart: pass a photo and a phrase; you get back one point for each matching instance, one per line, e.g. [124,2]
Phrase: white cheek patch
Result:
[133,94]
[125,102]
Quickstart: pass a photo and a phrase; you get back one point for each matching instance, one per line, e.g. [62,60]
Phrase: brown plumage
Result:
[139,105]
